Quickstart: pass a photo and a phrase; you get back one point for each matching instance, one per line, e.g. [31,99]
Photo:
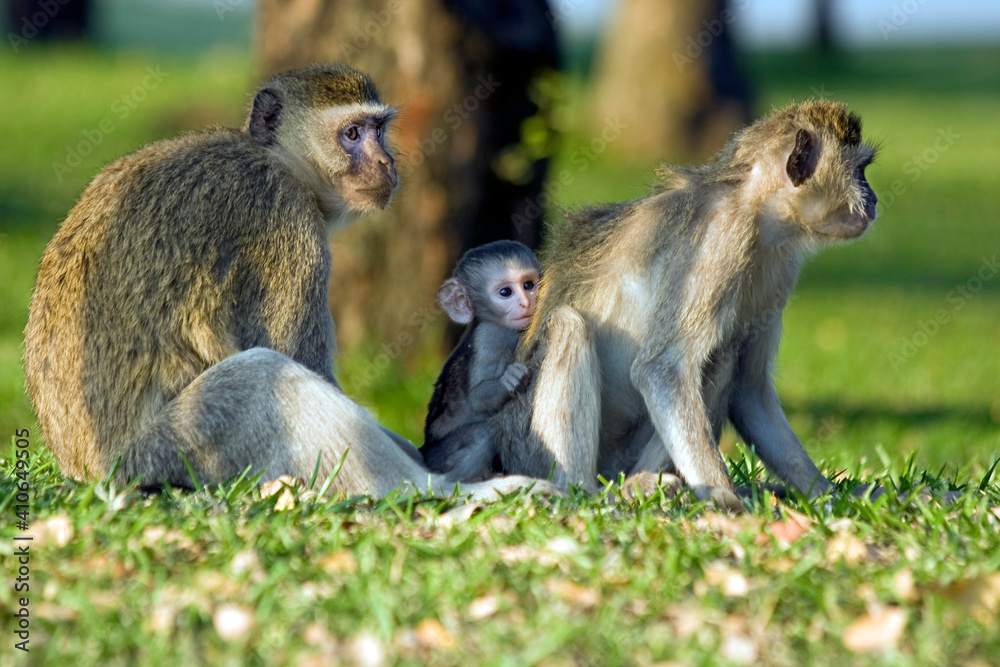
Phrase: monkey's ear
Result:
[455,301]
[264,116]
[802,161]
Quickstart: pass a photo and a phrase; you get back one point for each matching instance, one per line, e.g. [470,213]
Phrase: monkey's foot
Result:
[493,489]
[725,499]
[644,484]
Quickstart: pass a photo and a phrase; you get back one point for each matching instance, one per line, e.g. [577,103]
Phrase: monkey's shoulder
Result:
[220,171]
[195,193]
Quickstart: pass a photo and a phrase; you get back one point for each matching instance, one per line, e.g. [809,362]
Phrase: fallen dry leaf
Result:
[788,529]
[613,568]
[55,612]
[781,564]
[904,586]
[878,629]
[580,596]
[284,485]
[561,546]
[457,515]
[432,634]
[739,648]
[55,530]
[215,585]
[161,618]
[846,547]
[484,607]
[233,622]
[153,535]
[728,526]
[365,650]
[841,525]
[516,553]
[244,561]
[686,620]
[731,582]
[637,607]
[341,562]
[978,596]
[316,634]
[502,523]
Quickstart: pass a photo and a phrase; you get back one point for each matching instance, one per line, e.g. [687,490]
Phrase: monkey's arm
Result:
[295,313]
[488,396]
[449,406]
[492,377]
[756,414]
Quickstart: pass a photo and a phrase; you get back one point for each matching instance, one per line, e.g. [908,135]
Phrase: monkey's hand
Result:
[516,377]
[645,484]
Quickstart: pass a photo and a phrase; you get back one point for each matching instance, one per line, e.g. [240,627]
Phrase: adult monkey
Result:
[180,315]
[658,319]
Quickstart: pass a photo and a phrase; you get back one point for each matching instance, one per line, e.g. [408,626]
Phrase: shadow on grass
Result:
[30,208]
[915,416]
[886,71]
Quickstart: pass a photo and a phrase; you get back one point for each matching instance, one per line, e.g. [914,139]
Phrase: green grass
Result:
[873,390]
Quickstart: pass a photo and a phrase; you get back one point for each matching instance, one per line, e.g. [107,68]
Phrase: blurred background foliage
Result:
[892,343]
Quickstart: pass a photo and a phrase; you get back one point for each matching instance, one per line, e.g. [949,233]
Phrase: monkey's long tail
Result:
[567,407]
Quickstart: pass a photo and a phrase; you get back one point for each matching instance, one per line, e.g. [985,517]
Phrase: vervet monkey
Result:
[180,316]
[659,318]
[493,289]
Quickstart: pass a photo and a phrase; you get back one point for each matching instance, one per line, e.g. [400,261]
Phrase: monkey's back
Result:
[448,408]
[146,284]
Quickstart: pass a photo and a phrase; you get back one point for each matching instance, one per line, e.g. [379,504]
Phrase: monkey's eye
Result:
[529,285]
[352,133]
[505,292]
[378,130]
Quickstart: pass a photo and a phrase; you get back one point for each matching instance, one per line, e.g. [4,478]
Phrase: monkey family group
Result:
[179,329]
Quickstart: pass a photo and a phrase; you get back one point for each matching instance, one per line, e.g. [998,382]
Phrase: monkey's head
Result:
[329,124]
[808,160]
[496,282]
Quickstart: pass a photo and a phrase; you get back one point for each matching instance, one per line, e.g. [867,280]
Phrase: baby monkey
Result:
[493,289]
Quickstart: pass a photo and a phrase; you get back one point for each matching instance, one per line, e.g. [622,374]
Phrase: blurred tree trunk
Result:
[47,19]
[459,72]
[824,26]
[667,80]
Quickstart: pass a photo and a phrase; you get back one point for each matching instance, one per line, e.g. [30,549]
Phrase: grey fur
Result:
[181,308]
[479,376]
[660,318]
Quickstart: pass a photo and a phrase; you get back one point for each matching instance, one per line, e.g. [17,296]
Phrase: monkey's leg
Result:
[671,389]
[408,447]
[757,415]
[654,457]
[262,410]
[465,453]
[566,411]
[654,468]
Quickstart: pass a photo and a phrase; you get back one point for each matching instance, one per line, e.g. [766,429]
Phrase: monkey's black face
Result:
[861,206]
[834,200]
[868,197]
[371,173]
